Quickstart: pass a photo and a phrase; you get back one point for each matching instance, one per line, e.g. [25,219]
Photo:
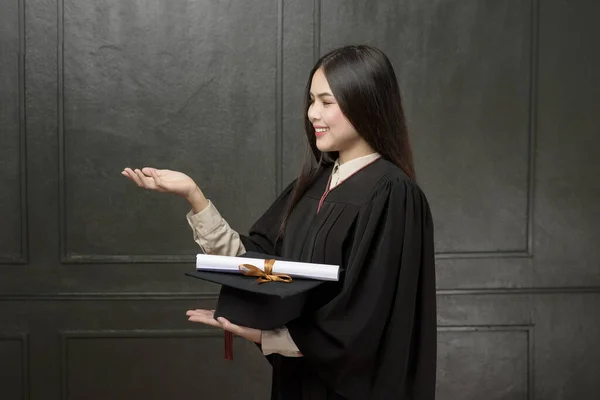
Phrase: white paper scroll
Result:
[215,263]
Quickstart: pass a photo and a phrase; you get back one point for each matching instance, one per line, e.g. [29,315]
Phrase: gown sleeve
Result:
[377,337]
[262,235]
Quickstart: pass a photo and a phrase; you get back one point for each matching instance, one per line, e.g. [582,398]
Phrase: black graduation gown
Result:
[372,335]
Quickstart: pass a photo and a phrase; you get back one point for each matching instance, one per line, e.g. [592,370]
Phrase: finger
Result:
[200,314]
[133,176]
[205,320]
[202,310]
[156,179]
[154,174]
[129,171]
[206,313]
[148,170]
[148,183]
[159,172]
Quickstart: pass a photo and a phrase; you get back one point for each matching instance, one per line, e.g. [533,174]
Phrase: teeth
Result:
[321,129]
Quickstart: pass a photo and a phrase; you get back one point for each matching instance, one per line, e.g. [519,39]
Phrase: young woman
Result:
[356,204]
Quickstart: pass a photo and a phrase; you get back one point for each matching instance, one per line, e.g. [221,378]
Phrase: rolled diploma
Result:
[216,263]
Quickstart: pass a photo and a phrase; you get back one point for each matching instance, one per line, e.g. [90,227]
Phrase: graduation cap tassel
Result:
[228,340]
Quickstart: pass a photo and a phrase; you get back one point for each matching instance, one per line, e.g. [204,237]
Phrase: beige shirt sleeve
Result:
[214,236]
[279,341]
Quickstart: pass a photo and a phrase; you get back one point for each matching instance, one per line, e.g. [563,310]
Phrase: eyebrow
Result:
[323,94]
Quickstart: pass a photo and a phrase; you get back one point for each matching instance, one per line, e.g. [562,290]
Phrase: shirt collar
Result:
[349,167]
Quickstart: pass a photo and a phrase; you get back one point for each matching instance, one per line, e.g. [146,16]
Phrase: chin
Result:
[325,147]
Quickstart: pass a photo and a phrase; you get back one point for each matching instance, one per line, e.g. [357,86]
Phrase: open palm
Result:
[161,180]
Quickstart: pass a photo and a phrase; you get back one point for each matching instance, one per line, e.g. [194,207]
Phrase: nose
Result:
[313,113]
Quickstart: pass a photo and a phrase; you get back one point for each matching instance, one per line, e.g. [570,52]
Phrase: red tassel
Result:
[228,340]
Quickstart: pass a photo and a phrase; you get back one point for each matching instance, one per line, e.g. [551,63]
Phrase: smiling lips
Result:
[320,130]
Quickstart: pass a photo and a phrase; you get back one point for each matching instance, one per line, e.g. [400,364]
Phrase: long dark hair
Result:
[366,89]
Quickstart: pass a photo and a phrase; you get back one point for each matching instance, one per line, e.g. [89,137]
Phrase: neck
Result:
[361,149]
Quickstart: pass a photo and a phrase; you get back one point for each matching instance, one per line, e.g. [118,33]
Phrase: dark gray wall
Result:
[501,98]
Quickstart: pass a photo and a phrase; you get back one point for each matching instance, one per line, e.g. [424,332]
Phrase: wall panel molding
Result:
[528,19]
[65,256]
[65,336]
[528,251]
[175,296]
[23,339]
[528,330]
[279,101]
[316,30]
[131,296]
[23,257]
[533,99]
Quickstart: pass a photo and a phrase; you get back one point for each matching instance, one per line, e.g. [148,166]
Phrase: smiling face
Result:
[332,129]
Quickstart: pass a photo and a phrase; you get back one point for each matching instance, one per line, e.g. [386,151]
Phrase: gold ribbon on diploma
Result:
[264,276]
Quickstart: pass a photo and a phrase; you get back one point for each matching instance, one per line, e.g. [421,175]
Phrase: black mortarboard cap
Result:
[246,302]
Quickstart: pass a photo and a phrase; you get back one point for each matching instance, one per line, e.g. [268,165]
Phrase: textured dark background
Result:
[501,98]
